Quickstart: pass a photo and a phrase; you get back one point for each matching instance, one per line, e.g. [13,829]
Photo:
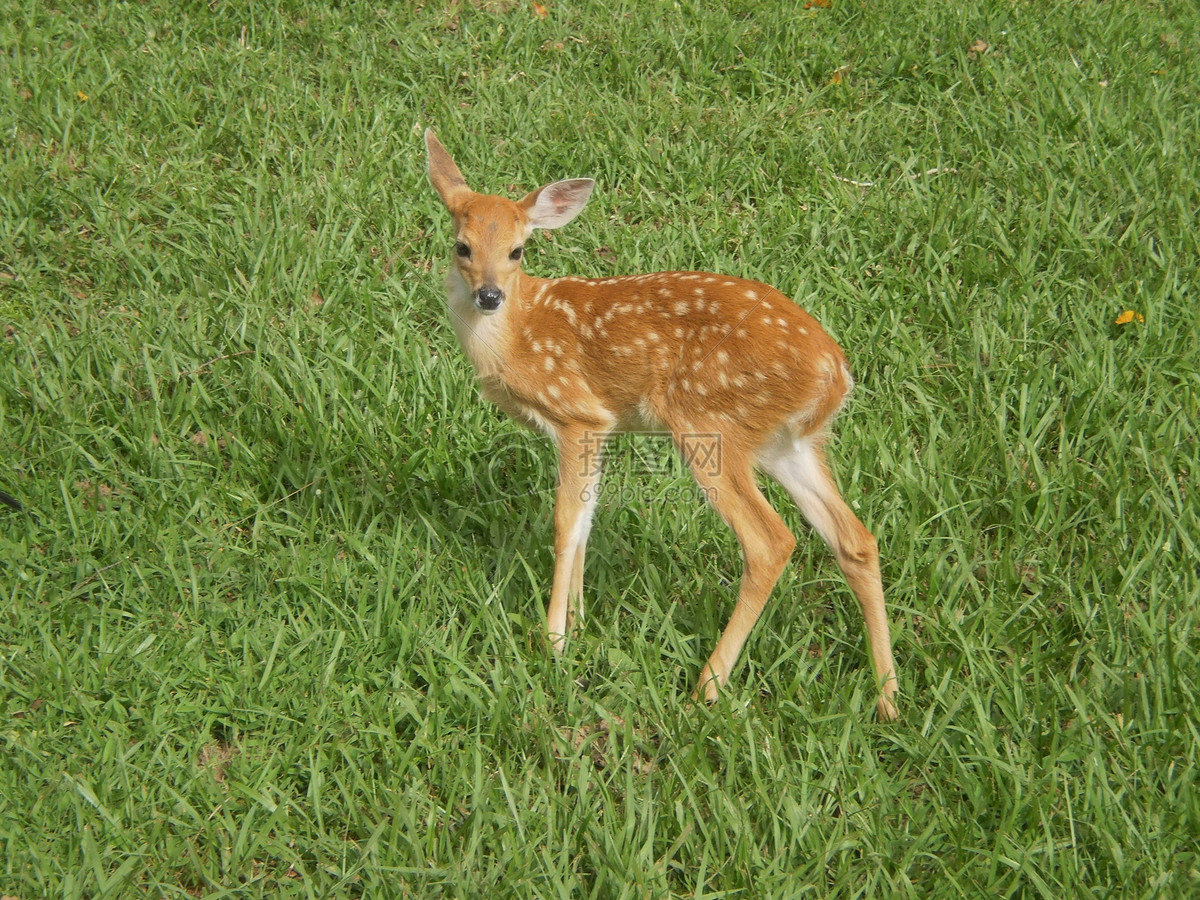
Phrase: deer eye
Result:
[516,254]
[462,250]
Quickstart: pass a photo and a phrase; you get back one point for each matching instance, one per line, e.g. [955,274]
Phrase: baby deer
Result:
[701,356]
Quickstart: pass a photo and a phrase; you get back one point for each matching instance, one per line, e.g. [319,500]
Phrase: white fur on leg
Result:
[794,463]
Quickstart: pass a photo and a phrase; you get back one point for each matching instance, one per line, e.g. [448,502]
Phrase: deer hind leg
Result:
[766,546]
[799,465]
[575,501]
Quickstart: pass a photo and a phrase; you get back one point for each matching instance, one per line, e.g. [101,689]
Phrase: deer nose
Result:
[488,299]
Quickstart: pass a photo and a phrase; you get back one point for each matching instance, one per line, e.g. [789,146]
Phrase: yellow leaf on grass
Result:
[539,10]
[81,95]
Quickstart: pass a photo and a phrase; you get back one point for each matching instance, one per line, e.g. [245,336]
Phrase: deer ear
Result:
[444,174]
[554,205]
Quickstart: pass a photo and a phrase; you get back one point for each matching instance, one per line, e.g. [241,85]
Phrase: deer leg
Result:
[575,501]
[799,465]
[575,595]
[766,546]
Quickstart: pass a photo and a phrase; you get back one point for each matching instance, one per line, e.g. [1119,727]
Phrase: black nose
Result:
[489,299]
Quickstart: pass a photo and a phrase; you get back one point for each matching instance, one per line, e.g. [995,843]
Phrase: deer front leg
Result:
[575,501]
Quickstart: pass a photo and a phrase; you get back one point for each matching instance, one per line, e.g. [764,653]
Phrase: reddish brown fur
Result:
[688,352]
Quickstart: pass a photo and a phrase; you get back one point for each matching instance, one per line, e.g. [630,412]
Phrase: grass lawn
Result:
[272,616]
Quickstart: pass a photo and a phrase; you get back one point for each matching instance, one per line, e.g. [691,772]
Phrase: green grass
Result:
[272,626]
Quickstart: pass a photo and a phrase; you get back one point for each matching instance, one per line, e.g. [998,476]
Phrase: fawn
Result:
[686,352]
